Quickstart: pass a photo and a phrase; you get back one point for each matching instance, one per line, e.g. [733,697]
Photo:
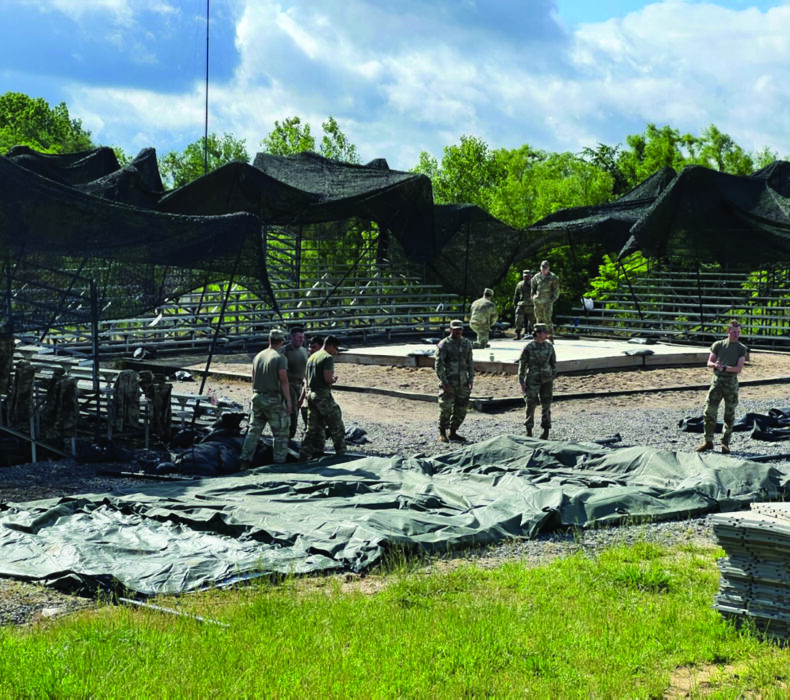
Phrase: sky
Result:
[406,76]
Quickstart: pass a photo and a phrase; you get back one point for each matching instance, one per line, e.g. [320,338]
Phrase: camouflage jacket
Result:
[453,361]
[483,313]
[545,288]
[538,360]
[523,295]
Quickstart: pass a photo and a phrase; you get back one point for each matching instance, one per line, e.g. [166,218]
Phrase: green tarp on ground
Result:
[343,514]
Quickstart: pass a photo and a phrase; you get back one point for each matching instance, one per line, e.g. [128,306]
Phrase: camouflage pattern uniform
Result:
[7,346]
[297,362]
[545,291]
[482,316]
[724,385]
[267,406]
[322,411]
[537,367]
[454,367]
[524,306]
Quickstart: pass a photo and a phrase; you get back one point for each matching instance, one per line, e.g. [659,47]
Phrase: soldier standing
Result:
[296,354]
[726,360]
[322,411]
[456,371]
[545,288]
[482,316]
[525,308]
[271,401]
[537,368]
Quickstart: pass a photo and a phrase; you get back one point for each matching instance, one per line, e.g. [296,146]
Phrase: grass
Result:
[633,622]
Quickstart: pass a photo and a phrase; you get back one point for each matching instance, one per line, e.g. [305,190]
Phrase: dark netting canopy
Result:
[707,215]
[343,514]
[54,237]
[696,215]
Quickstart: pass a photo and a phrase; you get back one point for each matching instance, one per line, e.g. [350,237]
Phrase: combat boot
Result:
[518,335]
[545,434]
[725,448]
[705,446]
[529,432]
[443,435]
[455,437]
[245,464]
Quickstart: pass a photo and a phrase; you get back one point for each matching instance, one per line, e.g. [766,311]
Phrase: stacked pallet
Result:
[755,574]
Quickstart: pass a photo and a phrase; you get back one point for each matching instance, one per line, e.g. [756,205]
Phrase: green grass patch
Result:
[633,622]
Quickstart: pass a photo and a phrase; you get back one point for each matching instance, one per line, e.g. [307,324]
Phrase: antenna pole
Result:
[205,121]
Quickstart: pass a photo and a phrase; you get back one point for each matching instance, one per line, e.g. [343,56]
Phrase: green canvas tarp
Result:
[343,514]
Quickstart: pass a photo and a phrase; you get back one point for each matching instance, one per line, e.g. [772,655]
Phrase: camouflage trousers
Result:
[543,312]
[482,334]
[296,391]
[721,388]
[322,413]
[267,408]
[538,391]
[525,319]
[453,406]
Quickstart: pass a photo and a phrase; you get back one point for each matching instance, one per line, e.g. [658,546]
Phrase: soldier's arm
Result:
[285,389]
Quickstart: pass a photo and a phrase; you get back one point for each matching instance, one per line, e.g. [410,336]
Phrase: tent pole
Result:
[631,289]
[95,352]
[213,345]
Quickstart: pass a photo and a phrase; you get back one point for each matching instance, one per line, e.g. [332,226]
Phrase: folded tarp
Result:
[343,514]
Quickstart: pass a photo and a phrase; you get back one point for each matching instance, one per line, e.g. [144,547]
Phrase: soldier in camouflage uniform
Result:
[482,316]
[545,288]
[296,353]
[456,371]
[322,411]
[271,401]
[522,303]
[537,368]
[726,360]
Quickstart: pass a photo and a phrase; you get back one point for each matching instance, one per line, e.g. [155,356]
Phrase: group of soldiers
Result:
[287,378]
[534,305]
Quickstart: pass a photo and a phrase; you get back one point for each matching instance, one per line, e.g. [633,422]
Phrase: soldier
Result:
[482,316]
[296,354]
[522,302]
[726,360]
[271,401]
[322,411]
[545,288]
[537,368]
[456,371]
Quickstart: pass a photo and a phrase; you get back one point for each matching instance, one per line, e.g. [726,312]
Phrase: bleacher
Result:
[382,306]
[689,306]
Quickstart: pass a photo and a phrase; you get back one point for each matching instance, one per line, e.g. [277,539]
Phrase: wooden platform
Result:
[573,355]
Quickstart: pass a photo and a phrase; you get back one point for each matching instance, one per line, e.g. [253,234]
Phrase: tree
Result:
[719,152]
[27,121]
[178,169]
[292,136]
[653,150]
[469,173]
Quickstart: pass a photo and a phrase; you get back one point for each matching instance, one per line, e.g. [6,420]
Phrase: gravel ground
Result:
[398,426]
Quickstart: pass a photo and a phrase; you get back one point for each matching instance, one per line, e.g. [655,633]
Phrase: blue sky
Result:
[407,76]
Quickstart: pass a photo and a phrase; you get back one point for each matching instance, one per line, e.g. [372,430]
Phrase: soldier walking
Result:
[271,401]
[322,411]
[523,305]
[455,368]
[726,360]
[545,288]
[537,368]
[296,354]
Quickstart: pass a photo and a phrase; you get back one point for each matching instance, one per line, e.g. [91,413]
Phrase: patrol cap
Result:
[488,292]
[276,334]
[540,328]
[456,324]
[545,264]
[527,272]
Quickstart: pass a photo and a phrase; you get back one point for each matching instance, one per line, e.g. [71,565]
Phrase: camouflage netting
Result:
[698,215]
[69,220]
